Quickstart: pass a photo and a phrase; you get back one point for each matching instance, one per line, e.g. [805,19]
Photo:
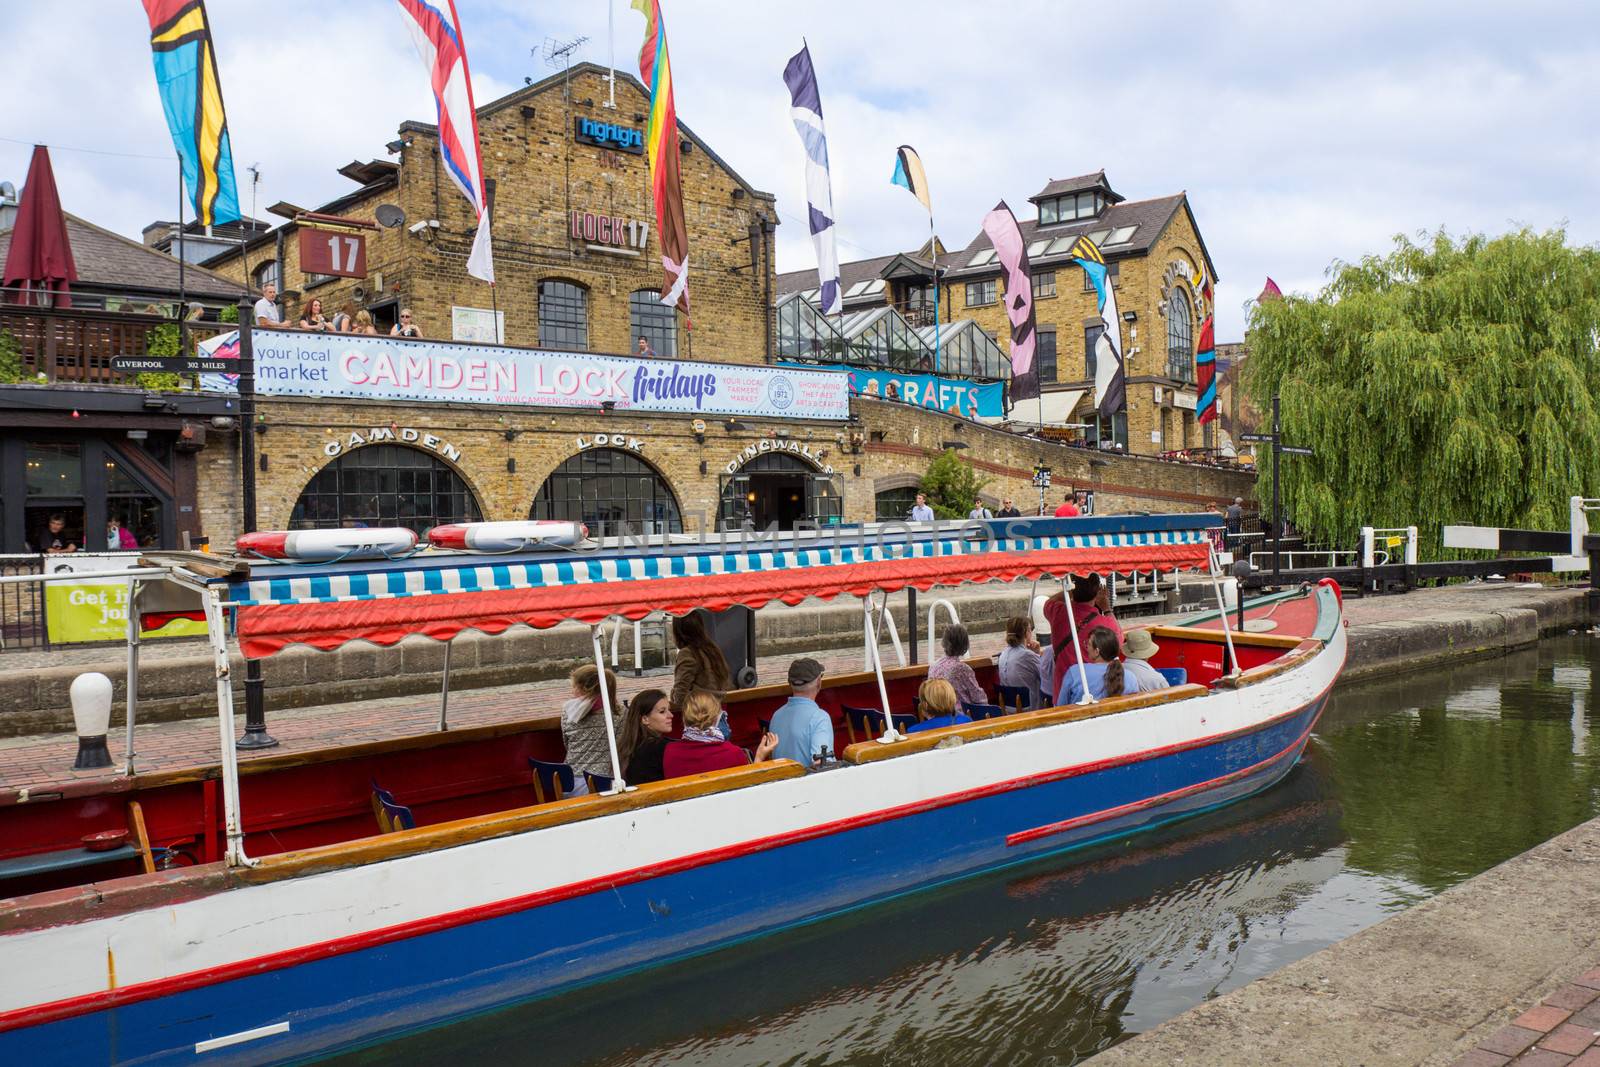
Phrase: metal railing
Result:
[22,621]
[77,344]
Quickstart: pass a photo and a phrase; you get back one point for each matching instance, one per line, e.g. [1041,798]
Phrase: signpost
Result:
[1041,478]
[173,365]
[1279,450]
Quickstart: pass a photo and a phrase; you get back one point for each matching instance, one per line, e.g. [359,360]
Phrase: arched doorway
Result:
[612,491]
[385,485]
[777,489]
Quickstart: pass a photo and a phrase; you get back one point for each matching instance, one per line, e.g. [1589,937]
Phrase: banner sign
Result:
[955,396]
[96,611]
[361,367]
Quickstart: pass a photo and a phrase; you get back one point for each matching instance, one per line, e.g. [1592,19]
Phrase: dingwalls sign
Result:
[356,366]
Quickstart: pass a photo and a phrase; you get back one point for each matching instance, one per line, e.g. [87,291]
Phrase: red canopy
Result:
[40,257]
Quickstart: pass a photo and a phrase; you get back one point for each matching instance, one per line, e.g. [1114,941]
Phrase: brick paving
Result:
[1560,1030]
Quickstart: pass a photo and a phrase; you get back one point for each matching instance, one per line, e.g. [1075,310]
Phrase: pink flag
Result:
[1270,292]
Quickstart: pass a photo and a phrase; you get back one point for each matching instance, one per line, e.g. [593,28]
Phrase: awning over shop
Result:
[1050,409]
[441,594]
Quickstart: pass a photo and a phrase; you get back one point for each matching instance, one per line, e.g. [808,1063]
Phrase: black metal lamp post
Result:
[255,710]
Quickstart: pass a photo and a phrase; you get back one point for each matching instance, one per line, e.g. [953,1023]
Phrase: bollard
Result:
[91,714]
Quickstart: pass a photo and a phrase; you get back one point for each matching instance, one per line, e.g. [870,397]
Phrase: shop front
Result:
[778,482]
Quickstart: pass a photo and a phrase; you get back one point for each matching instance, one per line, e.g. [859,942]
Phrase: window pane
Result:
[385,485]
[654,321]
[1044,284]
[54,468]
[1045,354]
[563,316]
[606,487]
[1091,337]
[1048,212]
[1180,340]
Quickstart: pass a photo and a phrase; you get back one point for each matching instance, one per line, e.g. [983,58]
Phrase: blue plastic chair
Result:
[1174,675]
[551,781]
[391,814]
[978,712]
[598,783]
[863,724]
[1014,697]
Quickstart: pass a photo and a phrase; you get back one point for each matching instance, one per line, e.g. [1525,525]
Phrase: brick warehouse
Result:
[324,461]
[1154,249]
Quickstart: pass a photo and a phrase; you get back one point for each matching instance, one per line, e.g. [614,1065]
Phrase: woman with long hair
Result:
[644,741]
[583,724]
[701,666]
[1102,663]
[1022,662]
[312,319]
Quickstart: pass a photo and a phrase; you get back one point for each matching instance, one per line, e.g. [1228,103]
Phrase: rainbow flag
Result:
[661,147]
[191,97]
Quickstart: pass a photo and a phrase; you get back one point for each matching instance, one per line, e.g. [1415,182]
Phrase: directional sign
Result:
[173,365]
[1295,450]
[1255,437]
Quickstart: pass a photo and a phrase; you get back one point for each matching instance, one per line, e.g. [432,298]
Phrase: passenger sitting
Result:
[1138,647]
[1022,662]
[936,704]
[954,670]
[644,737]
[703,748]
[1103,665]
[583,725]
[805,729]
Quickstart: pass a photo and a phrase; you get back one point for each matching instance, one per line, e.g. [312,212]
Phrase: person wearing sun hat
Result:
[1138,646]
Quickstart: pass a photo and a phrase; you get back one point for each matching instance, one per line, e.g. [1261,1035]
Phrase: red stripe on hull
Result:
[130,994]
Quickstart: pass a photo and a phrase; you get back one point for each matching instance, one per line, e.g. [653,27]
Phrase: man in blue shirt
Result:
[920,511]
[803,728]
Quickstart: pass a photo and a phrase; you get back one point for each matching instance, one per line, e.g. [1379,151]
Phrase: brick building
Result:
[1153,249]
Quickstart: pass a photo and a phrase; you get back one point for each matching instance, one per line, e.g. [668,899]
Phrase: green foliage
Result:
[951,486]
[162,341]
[10,359]
[229,313]
[1446,382]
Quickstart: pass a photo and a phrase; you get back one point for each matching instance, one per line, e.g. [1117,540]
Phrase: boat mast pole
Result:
[617,784]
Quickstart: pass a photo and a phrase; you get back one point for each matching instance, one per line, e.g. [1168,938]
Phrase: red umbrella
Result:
[40,257]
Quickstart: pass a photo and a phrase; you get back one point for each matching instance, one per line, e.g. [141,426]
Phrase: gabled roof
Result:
[337,206]
[107,260]
[868,270]
[1081,184]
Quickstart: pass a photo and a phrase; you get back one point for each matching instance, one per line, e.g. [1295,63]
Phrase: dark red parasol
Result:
[40,257]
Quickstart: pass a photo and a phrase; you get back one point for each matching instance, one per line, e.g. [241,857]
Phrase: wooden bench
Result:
[64,859]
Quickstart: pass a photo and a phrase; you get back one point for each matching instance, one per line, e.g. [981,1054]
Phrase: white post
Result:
[232,825]
[616,635]
[133,669]
[611,46]
[1222,607]
[444,690]
[1580,525]
[617,784]
[1368,538]
[1077,646]
[638,648]
[1411,546]
[890,734]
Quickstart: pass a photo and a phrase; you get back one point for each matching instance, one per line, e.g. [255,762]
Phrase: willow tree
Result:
[1446,382]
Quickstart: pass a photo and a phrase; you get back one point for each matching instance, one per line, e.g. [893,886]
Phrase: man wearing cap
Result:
[804,730]
[1137,648]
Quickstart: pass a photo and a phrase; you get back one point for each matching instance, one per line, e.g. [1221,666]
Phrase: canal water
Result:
[1409,786]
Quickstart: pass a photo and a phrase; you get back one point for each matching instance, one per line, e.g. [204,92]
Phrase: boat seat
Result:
[863,724]
[62,860]
[551,781]
[982,711]
[1174,675]
[1013,697]
[390,813]
[597,783]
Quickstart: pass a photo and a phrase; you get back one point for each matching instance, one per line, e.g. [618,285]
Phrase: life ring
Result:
[324,545]
[508,536]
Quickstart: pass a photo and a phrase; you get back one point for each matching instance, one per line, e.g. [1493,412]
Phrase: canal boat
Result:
[335,897]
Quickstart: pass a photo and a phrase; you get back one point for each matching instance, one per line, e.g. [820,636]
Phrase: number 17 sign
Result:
[336,252]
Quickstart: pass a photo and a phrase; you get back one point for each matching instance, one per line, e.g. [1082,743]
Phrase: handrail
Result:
[932,609]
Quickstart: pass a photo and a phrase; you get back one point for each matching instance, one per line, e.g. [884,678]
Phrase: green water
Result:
[1409,786]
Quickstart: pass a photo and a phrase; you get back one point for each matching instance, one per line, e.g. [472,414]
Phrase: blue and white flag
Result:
[1110,388]
[806,109]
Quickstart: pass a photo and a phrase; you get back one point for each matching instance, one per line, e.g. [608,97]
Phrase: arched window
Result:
[654,321]
[610,490]
[385,485]
[1180,337]
[894,505]
[268,274]
[563,316]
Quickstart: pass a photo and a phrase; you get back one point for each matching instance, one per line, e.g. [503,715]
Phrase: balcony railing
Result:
[77,345]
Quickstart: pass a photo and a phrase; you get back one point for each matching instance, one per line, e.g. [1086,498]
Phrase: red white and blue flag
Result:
[436,31]
[1205,353]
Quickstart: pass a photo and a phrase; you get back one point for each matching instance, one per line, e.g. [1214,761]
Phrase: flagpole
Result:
[933,252]
[611,47]
[183,302]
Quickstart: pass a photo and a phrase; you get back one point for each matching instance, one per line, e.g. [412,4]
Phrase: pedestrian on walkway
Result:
[920,511]
[1007,510]
[979,512]
[1067,509]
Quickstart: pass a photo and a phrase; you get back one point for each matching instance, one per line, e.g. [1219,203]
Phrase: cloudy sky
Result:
[1303,133]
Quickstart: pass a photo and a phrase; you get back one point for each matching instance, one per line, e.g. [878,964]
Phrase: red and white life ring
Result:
[507,536]
[324,545]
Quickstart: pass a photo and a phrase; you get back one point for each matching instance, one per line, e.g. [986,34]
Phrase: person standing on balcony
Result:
[644,351]
[267,313]
[406,327]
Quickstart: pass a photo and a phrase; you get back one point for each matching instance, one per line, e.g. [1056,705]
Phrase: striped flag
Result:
[436,31]
[1110,389]
[191,97]
[908,174]
[806,110]
[1001,227]
[661,146]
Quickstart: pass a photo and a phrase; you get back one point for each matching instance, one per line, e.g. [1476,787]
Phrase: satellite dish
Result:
[390,216]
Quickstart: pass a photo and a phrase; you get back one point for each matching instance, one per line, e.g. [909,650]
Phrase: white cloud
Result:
[1301,135]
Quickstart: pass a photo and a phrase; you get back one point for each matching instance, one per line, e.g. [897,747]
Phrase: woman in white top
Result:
[1022,662]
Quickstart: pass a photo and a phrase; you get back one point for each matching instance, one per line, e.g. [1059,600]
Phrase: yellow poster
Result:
[97,611]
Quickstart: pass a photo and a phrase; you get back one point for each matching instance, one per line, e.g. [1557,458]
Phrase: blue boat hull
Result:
[365,995]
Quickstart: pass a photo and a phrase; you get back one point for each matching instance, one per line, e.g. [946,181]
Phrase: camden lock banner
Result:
[954,396]
[292,363]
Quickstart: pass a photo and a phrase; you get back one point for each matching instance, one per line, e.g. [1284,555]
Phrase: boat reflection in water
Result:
[1046,963]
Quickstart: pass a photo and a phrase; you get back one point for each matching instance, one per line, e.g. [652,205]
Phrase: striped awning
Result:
[441,594]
